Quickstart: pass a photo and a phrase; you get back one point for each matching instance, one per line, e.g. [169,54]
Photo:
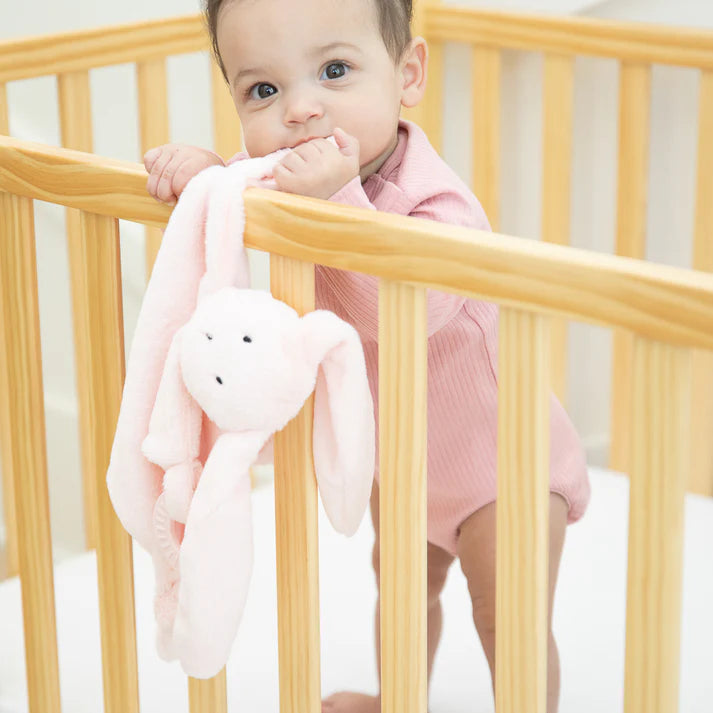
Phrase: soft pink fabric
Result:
[215,369]
[462,349]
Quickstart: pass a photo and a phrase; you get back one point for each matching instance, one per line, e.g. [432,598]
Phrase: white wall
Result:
[33,116]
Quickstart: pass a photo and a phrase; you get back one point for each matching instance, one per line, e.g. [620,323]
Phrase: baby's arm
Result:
[171,166]
[358,293]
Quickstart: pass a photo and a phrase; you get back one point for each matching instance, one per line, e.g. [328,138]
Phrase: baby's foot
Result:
[347,702]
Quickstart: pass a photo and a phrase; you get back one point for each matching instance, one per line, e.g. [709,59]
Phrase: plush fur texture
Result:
[215,369]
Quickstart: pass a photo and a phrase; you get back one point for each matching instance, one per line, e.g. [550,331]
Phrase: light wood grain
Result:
[522,514]
[630,41]
[632,194]
[79,180]
[402,496]
[660,459]
[99,47]
[556,186]
[153,129]
[75,114]
[486,131]
[208,695]
[8,492]
[296,525]
[100,315]
[662,302]
[701,480]
[227,135]
[26,446]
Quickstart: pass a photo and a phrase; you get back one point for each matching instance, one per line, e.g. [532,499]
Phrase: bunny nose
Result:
[218,379]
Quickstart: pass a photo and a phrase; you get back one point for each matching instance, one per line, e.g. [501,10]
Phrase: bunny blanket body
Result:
[215,369]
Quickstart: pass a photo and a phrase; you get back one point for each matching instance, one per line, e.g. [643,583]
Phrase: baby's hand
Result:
[171,166]
[318,168]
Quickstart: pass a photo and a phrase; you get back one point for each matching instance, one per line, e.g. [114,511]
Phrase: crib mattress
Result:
[588,622]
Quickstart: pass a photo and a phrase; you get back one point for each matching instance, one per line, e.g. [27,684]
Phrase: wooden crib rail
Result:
[636,47]
[657,301]
[669,310]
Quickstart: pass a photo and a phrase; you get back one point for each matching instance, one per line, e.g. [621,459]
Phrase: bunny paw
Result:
[179,483]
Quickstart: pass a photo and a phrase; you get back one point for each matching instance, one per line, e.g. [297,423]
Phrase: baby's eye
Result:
[261,91]
[334,70]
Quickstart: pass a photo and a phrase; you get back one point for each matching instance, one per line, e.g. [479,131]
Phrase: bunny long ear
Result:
[344,432]
[174,432]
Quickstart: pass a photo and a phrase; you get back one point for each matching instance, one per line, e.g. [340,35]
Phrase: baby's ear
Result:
[413,67]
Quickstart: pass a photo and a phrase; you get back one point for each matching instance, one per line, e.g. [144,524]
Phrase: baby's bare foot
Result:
[347,702]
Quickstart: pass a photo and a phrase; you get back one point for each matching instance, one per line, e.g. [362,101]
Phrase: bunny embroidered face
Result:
[239,363]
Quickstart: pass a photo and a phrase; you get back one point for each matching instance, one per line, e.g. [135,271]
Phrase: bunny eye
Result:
[210,336]
[218,379]
[247,339]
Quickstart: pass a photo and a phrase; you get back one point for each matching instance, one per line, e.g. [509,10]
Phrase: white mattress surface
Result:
[588,621]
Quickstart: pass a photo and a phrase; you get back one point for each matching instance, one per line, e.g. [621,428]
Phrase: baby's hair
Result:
[394,25]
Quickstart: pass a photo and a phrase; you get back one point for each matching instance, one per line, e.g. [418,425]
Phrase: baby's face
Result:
[298,70]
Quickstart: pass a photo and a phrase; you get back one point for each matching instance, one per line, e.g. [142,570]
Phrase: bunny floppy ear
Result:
[174,435]
[344,431]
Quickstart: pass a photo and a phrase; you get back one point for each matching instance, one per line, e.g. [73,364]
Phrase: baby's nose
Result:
[301,109]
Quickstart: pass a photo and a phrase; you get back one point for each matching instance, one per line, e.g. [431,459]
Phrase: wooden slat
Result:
[22,361]
[632,194]
[630,41]
[556,187]
[99,47]
[8,491]
[208,695]
[227,136]
[660,458]
[402,496]
[75,114]
[663,302]
[522,514]
[701,480]
[153,128]
[296,525]
[100,314]
[486,131]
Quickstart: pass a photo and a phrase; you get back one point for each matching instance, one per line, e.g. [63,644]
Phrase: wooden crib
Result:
[663,317]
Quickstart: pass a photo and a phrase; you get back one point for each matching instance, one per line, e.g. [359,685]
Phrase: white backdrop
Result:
[33,116]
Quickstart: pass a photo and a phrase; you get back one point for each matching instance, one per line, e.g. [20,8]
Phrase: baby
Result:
[300,72]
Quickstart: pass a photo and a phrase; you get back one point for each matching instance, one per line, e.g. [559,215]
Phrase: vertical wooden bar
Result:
[8,491]
[100,315]
[701,480]
[153,128]
[486,130]
[227,136]
[75,114]
[556,186]
[522,514]
[26,446]
[402,496]
[632,190]
[296,525]
[429,113]
[660,458]
[208,695]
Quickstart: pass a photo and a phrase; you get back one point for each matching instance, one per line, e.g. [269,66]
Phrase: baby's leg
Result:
[476,550]
[438,562]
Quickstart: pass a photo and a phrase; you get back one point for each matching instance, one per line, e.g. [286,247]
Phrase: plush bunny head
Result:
[249,362]
[243,362]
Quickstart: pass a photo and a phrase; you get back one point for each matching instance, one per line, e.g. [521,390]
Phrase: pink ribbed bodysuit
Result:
[462,347]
